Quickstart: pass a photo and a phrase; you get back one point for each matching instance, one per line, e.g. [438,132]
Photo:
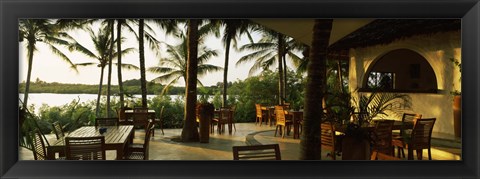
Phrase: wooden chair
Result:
[382,136]
[112,121]
[140,151]
[85,148]
[224,117]
[419,139]
[407,117]
[140,117]
[233,108]
[257,152]
[376,155]
[38,146]
[122,117]
[58,130]
[327,138]
[159,121]
[282,122]
[259,114]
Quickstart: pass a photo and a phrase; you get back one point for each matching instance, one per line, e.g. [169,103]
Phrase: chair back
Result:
[258,110]
[85,148]
[327,136]
[225,115]
[382,136]
[422,133]
[58,130]
[148,135]
[257,152]
[408,117]
[376,155]
[121,113]
[38,146]
[140,117]
[280,115]
[112,121]
[286,106]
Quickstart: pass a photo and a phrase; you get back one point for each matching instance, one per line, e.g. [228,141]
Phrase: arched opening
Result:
[400,70]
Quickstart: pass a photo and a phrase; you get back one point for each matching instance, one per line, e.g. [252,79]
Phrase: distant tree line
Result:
[130,87]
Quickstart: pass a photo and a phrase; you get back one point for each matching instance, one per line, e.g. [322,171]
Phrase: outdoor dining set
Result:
[91,142]
[412,133]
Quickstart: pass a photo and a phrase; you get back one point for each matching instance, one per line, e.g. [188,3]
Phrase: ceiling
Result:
[301,29]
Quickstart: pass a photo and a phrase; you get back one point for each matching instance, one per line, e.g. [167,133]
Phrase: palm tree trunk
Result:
[284,60]
[315,91]
[31,47]
[142,63]
[190,132]
[340,75]
[110,56]
[280,70]
[225,73]
[119,66]
[97,111]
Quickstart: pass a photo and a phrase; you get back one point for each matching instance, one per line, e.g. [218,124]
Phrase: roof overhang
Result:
[301,29]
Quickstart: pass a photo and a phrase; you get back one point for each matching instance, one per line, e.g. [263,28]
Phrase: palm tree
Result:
[143,80]
[169,25]
[234,28]
[40,30]
[119,60]
[189,131]
[174,66]
[315,91]
[102,44]
[272,48]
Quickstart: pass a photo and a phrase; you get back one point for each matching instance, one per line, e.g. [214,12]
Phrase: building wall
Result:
[437,49]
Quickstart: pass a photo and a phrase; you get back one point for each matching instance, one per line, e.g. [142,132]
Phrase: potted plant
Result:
[357,142]
[457,101]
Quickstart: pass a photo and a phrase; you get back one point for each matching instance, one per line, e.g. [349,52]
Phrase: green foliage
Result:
[262,89]
[173,112]
[217,100]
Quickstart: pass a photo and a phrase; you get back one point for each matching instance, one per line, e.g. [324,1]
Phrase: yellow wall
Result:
[437,49]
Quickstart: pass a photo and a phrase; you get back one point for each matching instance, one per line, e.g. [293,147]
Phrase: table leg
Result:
[120,153]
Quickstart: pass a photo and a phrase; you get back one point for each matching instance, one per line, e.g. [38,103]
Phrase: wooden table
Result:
[116,138]
[297,118]
[269,110]
[129,113]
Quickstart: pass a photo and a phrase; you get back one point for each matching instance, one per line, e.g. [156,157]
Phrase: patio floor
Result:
[220,145]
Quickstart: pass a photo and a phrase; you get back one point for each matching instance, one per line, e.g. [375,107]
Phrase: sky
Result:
[49,67]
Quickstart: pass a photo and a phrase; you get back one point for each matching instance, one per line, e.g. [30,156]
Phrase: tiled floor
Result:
[162,147]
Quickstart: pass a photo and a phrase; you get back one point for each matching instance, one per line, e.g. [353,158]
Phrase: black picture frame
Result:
[11,10]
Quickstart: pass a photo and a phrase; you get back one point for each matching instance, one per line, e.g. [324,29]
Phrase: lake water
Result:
[54,99]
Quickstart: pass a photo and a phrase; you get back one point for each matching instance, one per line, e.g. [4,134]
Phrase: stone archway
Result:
[401,70]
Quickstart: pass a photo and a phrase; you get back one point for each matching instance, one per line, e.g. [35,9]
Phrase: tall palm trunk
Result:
[31,47]
[110,56]
[315,91]
[340,75]
[280,70]
[189,132]
[142,63]
[119,66]
[97,111]
[285,71]
[225,73]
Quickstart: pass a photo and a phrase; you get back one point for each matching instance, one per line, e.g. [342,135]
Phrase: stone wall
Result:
[437,49]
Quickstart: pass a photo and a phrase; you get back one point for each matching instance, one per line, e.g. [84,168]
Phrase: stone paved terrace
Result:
[220,145]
